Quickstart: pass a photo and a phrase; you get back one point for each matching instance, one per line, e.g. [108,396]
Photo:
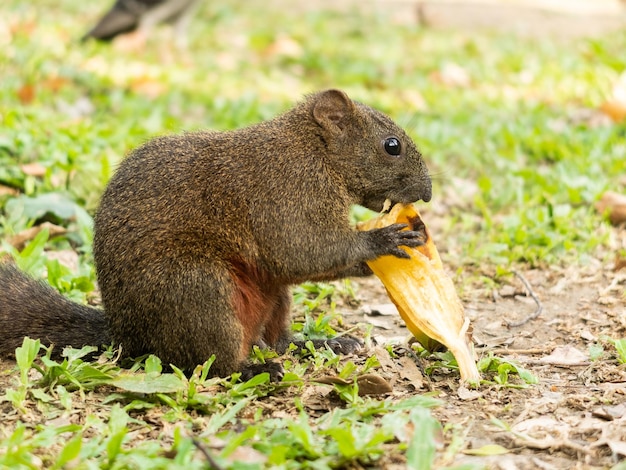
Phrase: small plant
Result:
[620,348]
[503,368]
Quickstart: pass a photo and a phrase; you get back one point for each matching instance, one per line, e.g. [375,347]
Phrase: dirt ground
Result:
[575,417]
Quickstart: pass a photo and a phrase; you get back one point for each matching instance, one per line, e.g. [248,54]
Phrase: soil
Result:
[575,417]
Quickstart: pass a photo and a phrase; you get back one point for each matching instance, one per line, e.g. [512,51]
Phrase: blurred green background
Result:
[512,126]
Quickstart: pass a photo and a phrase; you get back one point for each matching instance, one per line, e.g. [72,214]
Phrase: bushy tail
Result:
[32,308]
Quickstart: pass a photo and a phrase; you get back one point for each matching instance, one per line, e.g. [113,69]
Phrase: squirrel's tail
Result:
[32,308]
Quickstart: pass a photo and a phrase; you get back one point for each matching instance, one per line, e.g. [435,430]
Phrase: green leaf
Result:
[259,379]
[220,419]
[486,450]
[65,398]
[345,439]
[48,203]
[143,383]
[70,451]
[25,355]
[422,447]
[417,401]
[32,255]
[153,365]
[620,346]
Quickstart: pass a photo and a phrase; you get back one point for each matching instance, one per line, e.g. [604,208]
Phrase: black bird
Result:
[130,15]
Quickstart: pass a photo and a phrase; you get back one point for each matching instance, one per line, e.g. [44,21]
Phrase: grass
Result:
[507,125]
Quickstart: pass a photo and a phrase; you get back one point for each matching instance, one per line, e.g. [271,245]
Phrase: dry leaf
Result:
[19,240]
[452,74]
[285,46]
[385,361]
[332,380]
[369,384]
[54,83]
[410,371]
[611,413]
[466,394]
[617,447]
[6,190]
[620,262]
[26,28]
[615,205]
[372,384]
[615,105]
[247,455]
[26,94]
[68,258]
[375,310]
[34,169]
[565,355]
[148,86]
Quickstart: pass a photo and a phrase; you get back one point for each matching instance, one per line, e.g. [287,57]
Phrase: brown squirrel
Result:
[199,236]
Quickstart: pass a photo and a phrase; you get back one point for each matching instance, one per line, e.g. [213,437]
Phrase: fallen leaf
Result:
[614,109]
[26,28]
[54,83]
[285,46]
[610,413]
[385,361]
[414,99]
[489,449]
[247,455]
[19,240]
[620,261]
[6,190]
[614,205]
[332,380]
[382,323]
[565,355]
[452,74]
[148,86]
[410,372]
[68,258]
[615,105]
[26,94]
[372,384]
[617,447]
[375,310]
[369,384]
[33,169]
[542,425]
[466,394]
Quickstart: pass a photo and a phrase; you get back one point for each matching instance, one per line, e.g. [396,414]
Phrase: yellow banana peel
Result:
[423,293]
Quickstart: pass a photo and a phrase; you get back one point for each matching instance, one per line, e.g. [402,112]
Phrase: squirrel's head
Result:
[374,157]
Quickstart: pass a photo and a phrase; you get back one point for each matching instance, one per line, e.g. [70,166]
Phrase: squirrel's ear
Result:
[333,110]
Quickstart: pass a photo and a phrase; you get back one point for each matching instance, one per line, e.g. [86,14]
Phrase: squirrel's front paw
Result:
[388,240]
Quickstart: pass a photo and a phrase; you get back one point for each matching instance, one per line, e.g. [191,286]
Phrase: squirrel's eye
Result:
[392,146]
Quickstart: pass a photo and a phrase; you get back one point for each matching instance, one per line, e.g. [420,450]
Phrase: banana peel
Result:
[423,293]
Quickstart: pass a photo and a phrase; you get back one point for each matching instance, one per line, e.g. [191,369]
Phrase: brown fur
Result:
[199,236]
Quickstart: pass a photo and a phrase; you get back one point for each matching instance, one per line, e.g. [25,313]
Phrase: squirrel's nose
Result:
[427,191]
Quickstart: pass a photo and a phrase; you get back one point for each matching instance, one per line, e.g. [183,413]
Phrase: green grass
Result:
[514,130]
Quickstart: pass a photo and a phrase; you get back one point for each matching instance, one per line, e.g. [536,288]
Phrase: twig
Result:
[551,444]
[212,463]
[530,292]
[519,351]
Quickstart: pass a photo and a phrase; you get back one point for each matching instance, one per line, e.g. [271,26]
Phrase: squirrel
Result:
[199,236]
